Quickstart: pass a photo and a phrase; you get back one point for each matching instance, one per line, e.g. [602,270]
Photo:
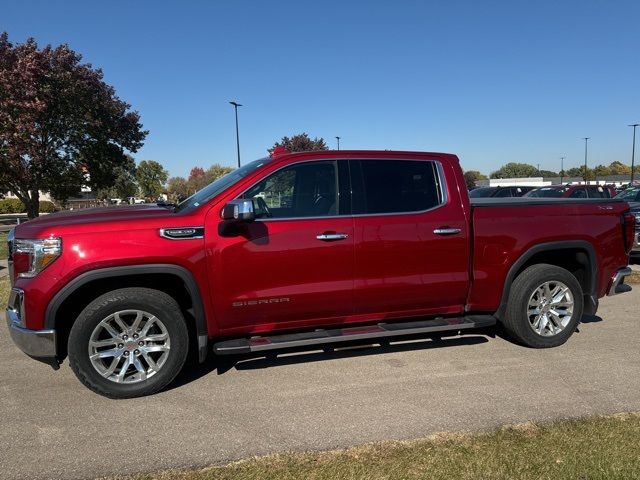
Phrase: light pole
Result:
[235,107]
[538,169]
[633,149]
[338,139]
[586,140]
[561,169]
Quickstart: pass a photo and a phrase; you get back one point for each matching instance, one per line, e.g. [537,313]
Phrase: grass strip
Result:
[589,448]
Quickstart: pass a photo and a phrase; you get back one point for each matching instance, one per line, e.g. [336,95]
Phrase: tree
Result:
[151,178]
[602,171]
[516,170]
[61,125]
[196,180]
[177,188]
[619,168]
[124,185]
[216,171]
[300,143]
[471,177]
[548,174]
[579,172]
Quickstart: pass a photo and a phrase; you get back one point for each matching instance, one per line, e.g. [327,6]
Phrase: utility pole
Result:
[561,169]
[633,150]
[586,140]
[538,169]
[235,106]
[338,139]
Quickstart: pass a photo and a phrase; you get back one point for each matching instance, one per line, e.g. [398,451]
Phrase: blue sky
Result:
[490,81]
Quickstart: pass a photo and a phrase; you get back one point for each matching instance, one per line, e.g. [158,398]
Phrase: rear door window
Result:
[579,193]
[395,186]
[598,192]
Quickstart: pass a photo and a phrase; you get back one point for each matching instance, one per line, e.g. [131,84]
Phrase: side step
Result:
[366,332]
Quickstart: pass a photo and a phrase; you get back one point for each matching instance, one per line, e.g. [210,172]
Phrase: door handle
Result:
[331,237]
[447,231]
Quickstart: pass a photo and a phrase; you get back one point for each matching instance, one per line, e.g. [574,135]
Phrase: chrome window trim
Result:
[164,235]
[442,185]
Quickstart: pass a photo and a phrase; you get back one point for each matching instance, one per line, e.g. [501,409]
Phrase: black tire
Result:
[516,321]
[154,302]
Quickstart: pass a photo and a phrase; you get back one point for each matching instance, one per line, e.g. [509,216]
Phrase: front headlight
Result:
[637,215]
[30,257]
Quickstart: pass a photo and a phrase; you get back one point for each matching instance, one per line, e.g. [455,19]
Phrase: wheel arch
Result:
[577,256]
[172,279]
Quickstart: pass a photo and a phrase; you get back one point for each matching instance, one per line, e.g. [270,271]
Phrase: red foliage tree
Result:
[61,125]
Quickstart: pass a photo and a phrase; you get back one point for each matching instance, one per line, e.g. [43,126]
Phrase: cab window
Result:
[307,189]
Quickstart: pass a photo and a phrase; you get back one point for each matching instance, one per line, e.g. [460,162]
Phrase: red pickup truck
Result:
[306,249]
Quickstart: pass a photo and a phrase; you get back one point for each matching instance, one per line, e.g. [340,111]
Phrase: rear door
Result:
[411,240]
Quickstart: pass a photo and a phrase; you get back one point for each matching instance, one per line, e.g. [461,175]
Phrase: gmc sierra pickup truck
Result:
[306,250]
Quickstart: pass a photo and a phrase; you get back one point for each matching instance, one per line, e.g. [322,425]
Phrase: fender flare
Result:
[590,293]
[128,270]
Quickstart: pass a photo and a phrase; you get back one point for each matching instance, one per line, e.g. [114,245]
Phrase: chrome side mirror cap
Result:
[240,210]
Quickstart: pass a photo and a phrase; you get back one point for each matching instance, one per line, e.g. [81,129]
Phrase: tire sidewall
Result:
[153,302]
[524,287]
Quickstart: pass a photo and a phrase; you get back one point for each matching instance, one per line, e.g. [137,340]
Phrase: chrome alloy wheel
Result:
[550,308]
[129,346]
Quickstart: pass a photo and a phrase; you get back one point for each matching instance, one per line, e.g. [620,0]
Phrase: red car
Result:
[306,249]
[573,191]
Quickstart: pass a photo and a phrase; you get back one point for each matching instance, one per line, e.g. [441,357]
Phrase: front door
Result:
[293,265]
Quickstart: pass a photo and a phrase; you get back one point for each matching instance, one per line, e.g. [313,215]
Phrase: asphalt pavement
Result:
[52,427]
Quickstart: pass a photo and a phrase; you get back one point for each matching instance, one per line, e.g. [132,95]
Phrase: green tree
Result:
[216,171]
[177,188]
[601,171]
[61,125]
[471,177]
[300,143]
[151,177]
[515,170]
[619,168]
[548,173]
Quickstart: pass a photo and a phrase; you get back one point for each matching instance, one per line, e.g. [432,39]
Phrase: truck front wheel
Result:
[545,306]
[128,343]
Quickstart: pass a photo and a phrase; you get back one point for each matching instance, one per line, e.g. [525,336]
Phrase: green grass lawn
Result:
[3,245]
[589,449]
[4,292]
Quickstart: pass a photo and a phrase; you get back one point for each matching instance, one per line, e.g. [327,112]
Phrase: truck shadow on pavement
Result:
[293,356]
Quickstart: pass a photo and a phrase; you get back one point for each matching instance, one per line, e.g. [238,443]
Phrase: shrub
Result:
[47,207]
[12,205]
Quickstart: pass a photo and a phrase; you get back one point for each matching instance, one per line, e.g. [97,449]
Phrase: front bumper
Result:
[38,344]
[636,245]
[617,284]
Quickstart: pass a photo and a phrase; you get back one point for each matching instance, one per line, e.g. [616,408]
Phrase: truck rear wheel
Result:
[129,343]
[545,306]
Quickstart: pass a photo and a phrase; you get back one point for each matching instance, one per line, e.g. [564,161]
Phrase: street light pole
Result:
[338,139]
[586,140]
[235,107]
[633,150]
[561,169]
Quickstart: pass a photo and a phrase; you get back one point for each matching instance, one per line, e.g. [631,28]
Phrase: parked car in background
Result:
[635,253]
[372,245]
[487,192]
[573,191]
[631,195]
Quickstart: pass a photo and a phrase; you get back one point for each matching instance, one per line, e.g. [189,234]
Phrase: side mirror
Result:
[240,210]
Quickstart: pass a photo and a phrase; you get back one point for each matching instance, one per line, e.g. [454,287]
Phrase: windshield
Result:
[629,194]
[546,192]
[481,192]
[214,188]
